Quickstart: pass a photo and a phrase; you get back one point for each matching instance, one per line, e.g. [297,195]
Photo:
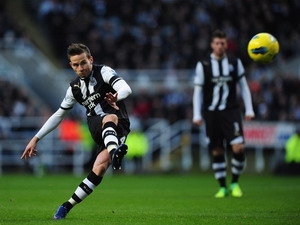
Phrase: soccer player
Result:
[215,97]
[101,91]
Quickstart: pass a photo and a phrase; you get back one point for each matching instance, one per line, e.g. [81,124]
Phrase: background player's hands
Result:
[249,117]
[112,99]
[197,122]
[30,149]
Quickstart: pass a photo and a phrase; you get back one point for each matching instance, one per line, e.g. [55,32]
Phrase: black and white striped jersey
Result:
[216,85]
[90,92]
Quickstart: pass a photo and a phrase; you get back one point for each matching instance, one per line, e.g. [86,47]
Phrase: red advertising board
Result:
[267,134]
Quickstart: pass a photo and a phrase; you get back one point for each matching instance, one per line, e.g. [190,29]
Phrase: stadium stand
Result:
[170,35]
[161,34]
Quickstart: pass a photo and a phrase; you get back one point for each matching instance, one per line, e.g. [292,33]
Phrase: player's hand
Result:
[30,149]
[197,122]
[112,99]
[249,117]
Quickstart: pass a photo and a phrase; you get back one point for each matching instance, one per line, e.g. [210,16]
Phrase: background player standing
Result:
[215,95]
[101,91]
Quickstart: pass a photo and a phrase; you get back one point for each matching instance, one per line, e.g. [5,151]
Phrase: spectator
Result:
[160,34]
[138,144]
[291,163]
[15,101]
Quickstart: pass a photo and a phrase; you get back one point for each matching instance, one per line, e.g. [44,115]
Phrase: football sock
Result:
[237,166]
[84,189]
[219,168]
[109,136]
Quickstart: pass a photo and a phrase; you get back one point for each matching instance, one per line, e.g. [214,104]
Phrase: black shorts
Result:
[95,127]
[224,128]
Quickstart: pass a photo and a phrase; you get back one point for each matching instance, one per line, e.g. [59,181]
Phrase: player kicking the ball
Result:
[101,91]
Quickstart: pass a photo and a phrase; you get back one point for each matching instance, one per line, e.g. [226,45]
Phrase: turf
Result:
[150,199]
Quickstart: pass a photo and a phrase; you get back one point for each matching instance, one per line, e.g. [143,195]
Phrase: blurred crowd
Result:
[166,34]
[16,101]
[277,99]
[11,32]
[137,34]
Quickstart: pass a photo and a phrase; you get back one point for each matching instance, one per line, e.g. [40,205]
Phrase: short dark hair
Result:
[218,34]
[77,49]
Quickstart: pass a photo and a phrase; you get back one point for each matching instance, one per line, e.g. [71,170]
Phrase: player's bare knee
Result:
[237,148]
[110,118]
[217,151]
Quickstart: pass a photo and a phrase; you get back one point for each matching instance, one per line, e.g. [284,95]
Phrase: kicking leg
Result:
[87,186]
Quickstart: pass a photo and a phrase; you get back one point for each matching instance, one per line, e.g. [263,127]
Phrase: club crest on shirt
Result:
[93,81]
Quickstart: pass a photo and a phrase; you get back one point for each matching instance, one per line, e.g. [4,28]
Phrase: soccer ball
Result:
[263,47]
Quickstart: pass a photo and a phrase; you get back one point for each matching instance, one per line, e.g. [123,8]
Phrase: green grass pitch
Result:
[150,199]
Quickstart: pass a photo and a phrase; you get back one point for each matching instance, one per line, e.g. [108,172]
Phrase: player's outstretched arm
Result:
[50,125]
[30,149]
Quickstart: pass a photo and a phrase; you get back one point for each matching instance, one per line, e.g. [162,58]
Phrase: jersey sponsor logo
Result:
[221,80]
[90,101]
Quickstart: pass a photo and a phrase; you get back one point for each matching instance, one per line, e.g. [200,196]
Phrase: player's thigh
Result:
[213,130]
[95,127]
[123,130]
[232,127]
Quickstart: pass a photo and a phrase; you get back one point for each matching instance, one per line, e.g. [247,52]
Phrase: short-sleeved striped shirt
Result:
[218,79]
[90,93]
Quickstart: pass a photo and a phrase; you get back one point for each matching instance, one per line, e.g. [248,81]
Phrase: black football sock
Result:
[219,168]
[84,189]
[237,166]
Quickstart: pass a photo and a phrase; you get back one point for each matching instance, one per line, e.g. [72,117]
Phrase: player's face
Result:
[219,46]
[81,64]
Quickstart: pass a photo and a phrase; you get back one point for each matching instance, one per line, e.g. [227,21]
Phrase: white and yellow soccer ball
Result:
[263,47]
